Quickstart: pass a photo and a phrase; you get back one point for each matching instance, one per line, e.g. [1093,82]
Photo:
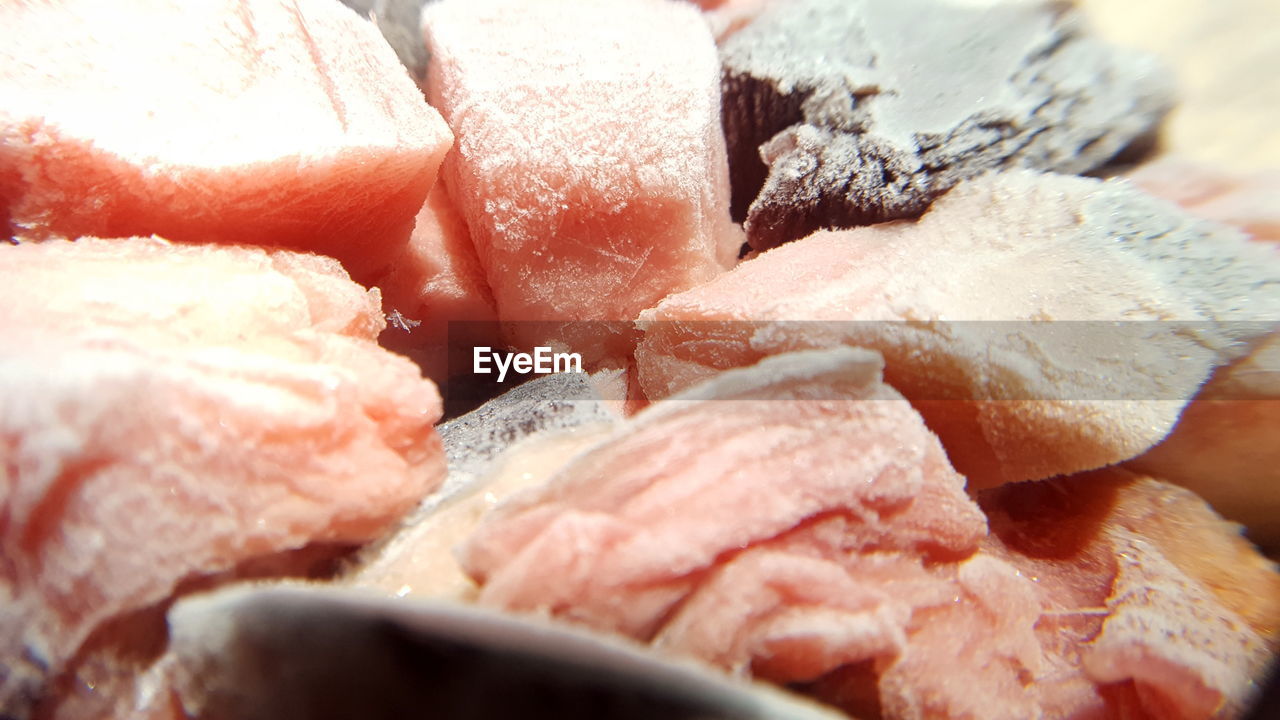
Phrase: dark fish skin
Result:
[294,654]
[811,87]
[1267,705]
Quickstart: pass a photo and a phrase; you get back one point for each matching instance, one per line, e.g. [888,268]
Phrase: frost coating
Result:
[1043,324]
[865,111]
[591,170]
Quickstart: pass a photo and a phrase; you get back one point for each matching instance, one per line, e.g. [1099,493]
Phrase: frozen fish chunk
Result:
[590,170]
[1042,324]
[257,122]
[172,412]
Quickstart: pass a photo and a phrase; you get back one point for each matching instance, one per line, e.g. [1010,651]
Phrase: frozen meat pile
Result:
[883,402]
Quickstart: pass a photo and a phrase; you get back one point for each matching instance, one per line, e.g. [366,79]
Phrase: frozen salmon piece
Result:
[1103,595]
[173,412]
[631,527]
[589,165]
[1042,324]
[1146,591]
[263,122]
[436,295]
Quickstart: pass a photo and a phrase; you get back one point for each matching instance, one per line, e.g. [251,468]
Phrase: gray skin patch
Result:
[398,21]
[474,442]
[840,113]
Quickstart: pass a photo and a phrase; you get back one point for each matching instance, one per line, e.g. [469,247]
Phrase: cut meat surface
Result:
[265,122]
[590,163]
[436,293]
[418,560]
[1042,324]
[614,554]
[175,411]
[731,539]
[1083,603]
[864,111]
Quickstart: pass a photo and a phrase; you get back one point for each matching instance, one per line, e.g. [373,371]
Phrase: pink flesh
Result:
[533,552]
[1249,202]
[727,17]
[1101,595]
[1010,248]
[591,171]
[437,281]
[173,411]
[835,490]
[262,122]
[1147,594]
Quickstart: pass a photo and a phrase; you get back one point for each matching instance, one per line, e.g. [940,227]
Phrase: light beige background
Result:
[1226,54]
